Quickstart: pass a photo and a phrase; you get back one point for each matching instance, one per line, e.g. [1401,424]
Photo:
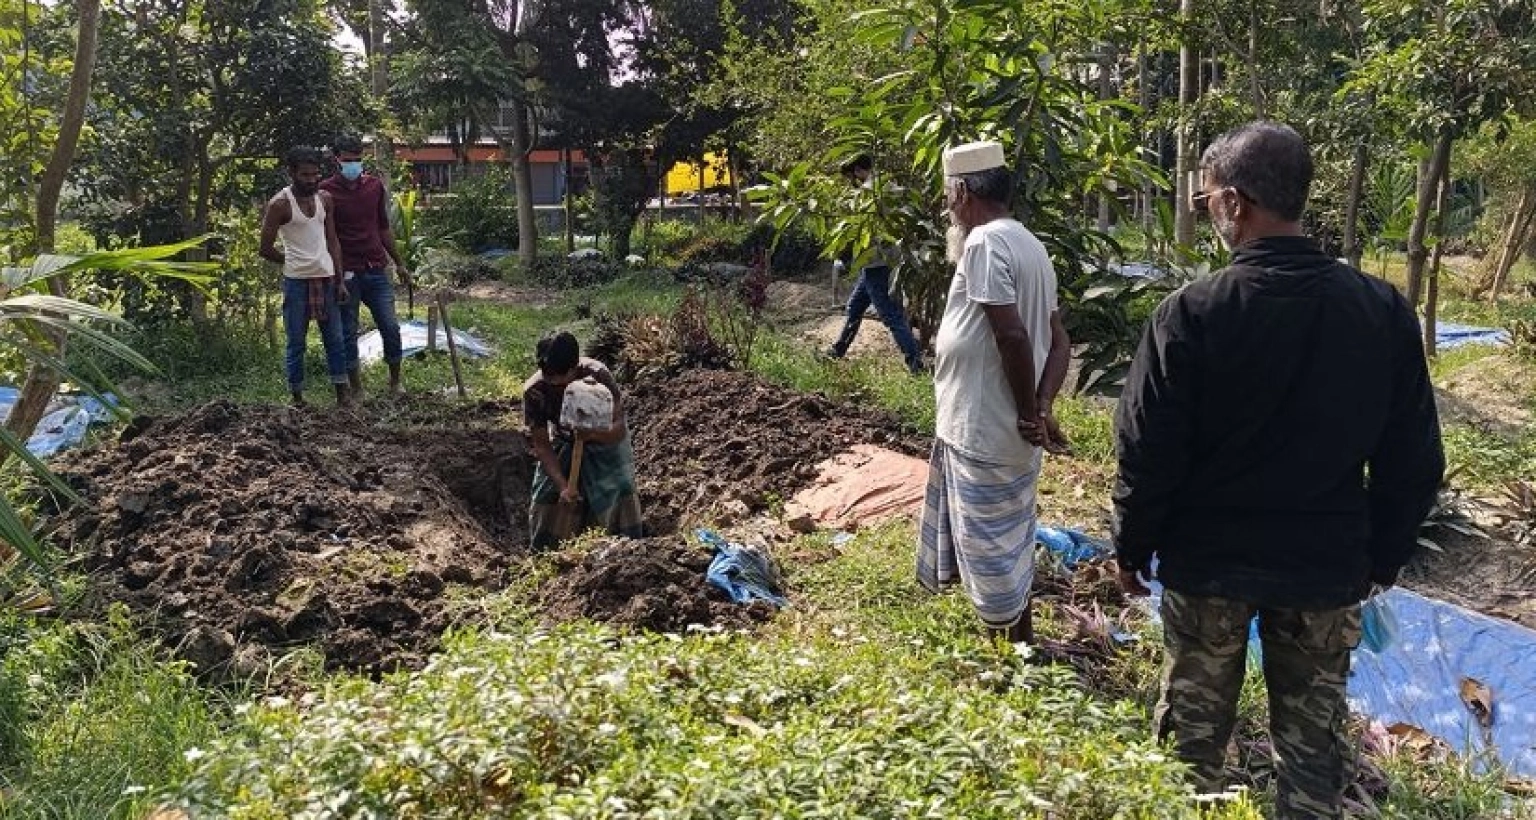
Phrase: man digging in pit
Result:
[605,498]
[1278,449]
[1002,356]
[367,250]
[304,217]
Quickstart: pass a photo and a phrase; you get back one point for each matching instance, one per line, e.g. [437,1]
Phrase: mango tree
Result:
[1444,69]
[989,69]
[1506,160]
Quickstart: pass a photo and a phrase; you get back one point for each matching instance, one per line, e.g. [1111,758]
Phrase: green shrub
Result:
[478,214]
[579,722]
[581,272]
[450,267]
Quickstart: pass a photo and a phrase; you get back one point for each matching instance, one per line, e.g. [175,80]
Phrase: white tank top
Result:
[305,253]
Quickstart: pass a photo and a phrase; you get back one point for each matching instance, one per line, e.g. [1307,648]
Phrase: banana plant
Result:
[28,313]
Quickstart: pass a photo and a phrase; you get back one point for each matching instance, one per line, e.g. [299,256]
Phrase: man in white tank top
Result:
[303,216]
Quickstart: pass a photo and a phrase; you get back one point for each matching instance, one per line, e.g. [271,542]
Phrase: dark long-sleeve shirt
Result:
[1277,437]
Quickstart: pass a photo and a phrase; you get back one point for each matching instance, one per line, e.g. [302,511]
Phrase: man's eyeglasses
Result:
[1200,201]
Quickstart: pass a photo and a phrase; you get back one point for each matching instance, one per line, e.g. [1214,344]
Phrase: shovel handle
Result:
[575,480]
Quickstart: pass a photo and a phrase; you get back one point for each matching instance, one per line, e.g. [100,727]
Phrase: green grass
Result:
[94,721]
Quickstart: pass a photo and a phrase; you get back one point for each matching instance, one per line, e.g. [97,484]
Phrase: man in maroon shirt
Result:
[367,246]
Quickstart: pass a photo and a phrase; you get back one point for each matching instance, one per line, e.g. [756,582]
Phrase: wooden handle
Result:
[575,480]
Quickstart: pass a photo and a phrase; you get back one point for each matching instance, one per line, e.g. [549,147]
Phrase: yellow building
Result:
[688,177]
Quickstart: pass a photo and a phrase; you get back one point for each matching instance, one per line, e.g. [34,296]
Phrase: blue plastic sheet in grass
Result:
[65,425]
[1451,335]
[744,573]
[413,340]
[1415,677]
[1414,654]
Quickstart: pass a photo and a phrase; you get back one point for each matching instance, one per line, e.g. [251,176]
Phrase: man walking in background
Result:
[1002,355]
[874,288]
[1278,450]
[304,218]
[367,247]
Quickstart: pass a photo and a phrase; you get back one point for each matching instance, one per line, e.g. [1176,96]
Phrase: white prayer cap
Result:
[973,157]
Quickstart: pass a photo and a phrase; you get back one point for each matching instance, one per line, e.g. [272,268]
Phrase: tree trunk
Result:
[378,64]
[1429,181]
[1255,88]
[42,382]
[1189,90]
[1353,248]
[522,182]
[1106,92]
[52,183]
[1432,291]
[1144,98]
[1514,238]
[570,202]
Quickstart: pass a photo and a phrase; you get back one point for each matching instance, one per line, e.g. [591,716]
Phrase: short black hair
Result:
[348,144]
[303,155]
[862,162]
[1267,161]
[992,185]
[557,353]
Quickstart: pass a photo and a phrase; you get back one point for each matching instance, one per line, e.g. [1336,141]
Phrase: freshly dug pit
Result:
[705,438]
[242,531]
[245,529]
[649,583]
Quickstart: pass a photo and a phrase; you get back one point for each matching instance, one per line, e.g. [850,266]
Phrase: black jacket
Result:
[1277,436]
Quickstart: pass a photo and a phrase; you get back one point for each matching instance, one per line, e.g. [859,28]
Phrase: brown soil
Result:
[246,529]
[652,583]
[1495,576]
[1497,392]
[243,531]
[707,438]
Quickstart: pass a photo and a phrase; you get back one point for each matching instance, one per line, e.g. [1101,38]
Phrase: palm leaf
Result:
[65,373]
[19,447]
[15,532]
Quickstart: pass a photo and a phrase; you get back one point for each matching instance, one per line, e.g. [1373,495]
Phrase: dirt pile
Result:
[706,440]
[241,530]
[652,583]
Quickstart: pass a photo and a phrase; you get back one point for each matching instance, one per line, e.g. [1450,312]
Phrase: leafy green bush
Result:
[579,722]
[478,214]
[444,266]
[581,272]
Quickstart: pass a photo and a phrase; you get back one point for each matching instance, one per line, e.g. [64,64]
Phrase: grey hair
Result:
[1268,162]
[992,185]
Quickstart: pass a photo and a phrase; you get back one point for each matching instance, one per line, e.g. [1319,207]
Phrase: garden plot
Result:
[241,531]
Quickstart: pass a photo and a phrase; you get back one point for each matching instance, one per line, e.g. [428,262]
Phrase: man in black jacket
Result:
[1278,449]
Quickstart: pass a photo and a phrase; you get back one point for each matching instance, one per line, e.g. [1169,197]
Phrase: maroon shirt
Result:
[361,220]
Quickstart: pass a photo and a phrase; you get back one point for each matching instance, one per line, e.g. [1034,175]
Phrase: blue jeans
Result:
[874,288]
[296,327]
[371,288]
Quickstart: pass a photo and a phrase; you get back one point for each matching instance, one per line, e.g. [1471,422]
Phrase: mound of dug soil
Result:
[245,529]
[650,583]
[706,438]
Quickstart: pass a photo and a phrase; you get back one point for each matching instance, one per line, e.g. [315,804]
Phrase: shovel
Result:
[586,408]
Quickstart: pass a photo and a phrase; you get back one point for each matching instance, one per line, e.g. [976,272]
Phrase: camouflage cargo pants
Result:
[1306,664]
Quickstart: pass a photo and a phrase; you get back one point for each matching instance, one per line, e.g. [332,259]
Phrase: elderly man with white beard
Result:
[1002,355]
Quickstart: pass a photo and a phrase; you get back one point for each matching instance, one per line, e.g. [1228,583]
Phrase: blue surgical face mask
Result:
[352,170]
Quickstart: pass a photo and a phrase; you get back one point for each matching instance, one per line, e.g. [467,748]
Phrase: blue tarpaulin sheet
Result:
[1450,335]
[1410,665]
[1416,677]
[65,425]
[413,340]
[744,573]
